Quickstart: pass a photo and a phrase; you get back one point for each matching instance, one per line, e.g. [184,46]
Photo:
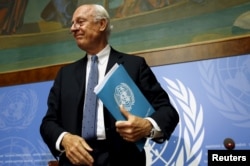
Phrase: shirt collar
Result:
[103,54]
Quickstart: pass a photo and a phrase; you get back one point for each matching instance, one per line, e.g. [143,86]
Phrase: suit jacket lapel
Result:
[114,57]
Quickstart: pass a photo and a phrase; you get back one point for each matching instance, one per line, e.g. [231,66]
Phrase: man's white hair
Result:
[101,13]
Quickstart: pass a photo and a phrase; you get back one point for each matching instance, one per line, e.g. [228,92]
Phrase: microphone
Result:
[229,143]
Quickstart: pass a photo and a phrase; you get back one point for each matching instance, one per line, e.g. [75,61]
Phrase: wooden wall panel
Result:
[170,55]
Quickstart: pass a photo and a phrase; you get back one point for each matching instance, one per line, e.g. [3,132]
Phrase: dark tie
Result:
[90,107]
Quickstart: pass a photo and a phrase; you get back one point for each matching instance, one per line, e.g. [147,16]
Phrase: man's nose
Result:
[74,27]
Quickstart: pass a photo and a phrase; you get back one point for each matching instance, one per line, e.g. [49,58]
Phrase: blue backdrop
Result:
[211,96]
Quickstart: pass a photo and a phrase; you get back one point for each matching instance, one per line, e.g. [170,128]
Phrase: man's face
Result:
[85,29]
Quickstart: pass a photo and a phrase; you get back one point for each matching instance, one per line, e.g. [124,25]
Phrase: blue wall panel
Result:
[211,96]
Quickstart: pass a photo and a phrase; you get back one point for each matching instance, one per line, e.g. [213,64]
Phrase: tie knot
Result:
[94,58]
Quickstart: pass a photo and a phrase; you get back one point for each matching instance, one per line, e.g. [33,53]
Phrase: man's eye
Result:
[80,22]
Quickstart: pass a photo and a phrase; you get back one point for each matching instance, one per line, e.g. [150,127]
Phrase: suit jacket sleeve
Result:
[50,128]
[65,103]
[165,114]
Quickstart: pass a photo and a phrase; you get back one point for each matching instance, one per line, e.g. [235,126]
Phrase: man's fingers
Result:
[86,146]
[124,112]
[77,150]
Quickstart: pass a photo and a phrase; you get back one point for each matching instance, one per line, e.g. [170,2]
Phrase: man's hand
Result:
[134,128]
[77,150]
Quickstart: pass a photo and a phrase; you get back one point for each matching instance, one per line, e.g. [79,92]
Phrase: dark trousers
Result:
[100,154]
[102,157]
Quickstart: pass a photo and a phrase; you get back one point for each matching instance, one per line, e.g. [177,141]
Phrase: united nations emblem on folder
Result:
[124,96]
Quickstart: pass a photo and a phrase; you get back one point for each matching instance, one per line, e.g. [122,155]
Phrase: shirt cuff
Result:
[152,121]
[58,142]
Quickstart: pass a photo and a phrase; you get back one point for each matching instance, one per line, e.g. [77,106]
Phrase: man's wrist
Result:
[155,134]
[155,131]
[59,141]
[152,133]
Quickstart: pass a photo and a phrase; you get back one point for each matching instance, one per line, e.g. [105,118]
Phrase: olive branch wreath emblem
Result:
[191,116]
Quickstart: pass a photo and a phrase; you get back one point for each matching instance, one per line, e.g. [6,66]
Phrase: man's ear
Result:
[103,24]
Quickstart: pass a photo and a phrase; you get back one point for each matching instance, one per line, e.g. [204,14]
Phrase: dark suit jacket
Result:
[65,104]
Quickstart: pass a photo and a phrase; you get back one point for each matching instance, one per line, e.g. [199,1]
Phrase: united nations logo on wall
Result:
[17,108]
[17,151]
[124,96]
[228,87]
[186,147]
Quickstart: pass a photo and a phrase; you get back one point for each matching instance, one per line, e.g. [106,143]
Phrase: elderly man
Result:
[63,126]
